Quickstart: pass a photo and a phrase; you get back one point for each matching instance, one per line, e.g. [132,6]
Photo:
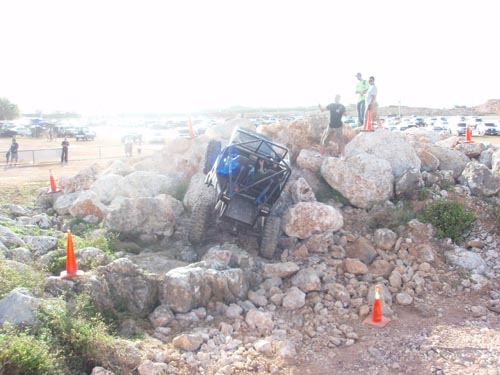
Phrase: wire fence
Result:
[79,153]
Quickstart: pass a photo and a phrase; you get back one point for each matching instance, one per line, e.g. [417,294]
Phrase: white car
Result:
[487,128]
[21,130]
[441,126]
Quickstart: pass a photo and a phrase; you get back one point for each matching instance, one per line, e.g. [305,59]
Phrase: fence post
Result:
[33,156]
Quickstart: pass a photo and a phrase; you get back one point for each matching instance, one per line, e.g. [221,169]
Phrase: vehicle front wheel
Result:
[199,222]
[270,236]
[213,150]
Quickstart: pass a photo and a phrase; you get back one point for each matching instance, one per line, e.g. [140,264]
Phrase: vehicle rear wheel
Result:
[270,236]
[199,222]
[213,150]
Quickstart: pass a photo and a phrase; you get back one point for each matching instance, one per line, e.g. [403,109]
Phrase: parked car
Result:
[441,126]
[487,128]
[458,128]
[419,121]
[84,134]
[21,130]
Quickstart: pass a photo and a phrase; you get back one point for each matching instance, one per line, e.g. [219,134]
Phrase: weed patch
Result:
[450,218]
[11,278]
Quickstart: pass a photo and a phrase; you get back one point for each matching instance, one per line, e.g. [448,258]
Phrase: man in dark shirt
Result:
[335,129]
[14,147]
[64,153]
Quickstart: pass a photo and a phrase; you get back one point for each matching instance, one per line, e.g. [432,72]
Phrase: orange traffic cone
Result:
[377,319]
[191,131]
[368,122]
[71,268]
[53,187]
[468,135]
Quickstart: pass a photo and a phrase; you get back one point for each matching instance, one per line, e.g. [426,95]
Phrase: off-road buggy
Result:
[248,175]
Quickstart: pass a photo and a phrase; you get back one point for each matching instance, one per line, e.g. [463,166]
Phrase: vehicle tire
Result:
[270,236]
[199,221]
[213,150]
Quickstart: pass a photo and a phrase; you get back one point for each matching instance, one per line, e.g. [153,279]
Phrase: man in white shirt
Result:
[371,102]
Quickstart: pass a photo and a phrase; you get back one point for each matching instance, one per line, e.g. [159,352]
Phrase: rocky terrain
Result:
[347,226]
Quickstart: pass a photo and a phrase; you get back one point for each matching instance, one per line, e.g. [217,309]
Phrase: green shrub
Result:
[450,218]
[76,331]
[11,278]
[22,353]
[424,193]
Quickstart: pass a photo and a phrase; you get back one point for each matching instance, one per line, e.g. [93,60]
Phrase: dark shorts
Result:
[337,134]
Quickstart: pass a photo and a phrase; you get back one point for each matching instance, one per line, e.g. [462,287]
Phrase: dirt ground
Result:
[438,335]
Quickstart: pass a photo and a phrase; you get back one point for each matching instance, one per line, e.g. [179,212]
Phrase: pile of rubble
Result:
[220,309]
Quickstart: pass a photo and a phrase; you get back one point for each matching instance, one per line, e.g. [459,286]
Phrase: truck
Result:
[248,176]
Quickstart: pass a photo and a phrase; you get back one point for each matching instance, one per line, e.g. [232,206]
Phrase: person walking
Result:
[371,102]
[128,147]
[335,128]
[14,147]
[64,153]
[361,89]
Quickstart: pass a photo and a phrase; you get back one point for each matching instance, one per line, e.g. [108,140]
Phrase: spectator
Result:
[335,128]
[14,147]
[361,89]
[64,153]
[371,102]
[128,147]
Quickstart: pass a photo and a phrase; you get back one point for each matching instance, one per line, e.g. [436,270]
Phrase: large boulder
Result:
[308,218]
[311,160]
[301,191]
[146,184]
[408,185]
[362,179]
[107,187]
[449,159]
[185,288]
[19,308]
[40,245]
[133,290]
[81,181]
[147,215]
[472,150]
[118,167]
[88,206]
[63,203]
[9,238]
[393,147]
[480,180]
[495,161]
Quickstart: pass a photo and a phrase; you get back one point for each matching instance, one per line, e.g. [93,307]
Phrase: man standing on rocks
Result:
[335,128]
[361,89]
[371,102]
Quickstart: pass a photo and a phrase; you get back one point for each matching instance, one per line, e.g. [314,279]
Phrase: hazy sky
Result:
[162,56]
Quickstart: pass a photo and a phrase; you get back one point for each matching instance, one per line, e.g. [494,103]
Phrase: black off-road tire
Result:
[199,222]
[270,236]
[213,150]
